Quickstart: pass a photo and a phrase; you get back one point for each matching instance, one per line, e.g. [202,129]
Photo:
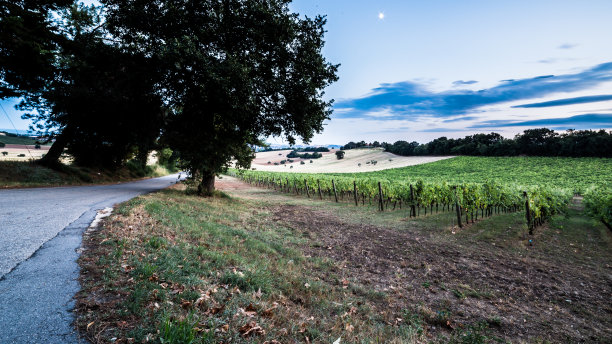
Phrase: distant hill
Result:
[276,146]
[10,138]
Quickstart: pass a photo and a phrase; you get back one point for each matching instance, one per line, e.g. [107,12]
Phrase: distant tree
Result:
[540,142]
[234,72]
[340,154]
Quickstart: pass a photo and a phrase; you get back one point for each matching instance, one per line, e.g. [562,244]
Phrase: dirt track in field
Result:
[523,298]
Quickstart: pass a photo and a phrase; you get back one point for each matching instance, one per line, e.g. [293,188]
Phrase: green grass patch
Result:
[30,174]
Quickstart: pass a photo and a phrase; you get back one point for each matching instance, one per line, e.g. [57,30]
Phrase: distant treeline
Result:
[295,154]
[534,142]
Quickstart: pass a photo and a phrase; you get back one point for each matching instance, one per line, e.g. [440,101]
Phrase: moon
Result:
[381,15]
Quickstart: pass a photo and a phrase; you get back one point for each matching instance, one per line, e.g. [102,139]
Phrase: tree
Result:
[234,72]
[29,41]
[340,154]
[102,103]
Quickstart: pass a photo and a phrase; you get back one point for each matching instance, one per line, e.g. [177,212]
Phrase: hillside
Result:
[330,164]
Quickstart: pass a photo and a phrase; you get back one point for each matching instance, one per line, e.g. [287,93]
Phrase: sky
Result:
[418,70]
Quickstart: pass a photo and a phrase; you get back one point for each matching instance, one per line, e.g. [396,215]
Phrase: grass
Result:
[199,270]
[176,268]
[570,173]
[28,174]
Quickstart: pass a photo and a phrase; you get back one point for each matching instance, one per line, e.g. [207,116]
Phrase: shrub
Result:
[295,154]
[5,153]
[2,144]
[302,163]
[37,146]
[21,155]
[137,170]
[340,154]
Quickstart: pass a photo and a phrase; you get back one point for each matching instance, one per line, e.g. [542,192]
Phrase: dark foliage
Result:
[295,154]
[233,72]
[533,142]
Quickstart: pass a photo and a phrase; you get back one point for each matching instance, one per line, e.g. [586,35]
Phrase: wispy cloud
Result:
[409,99]
[567,46]
[441,130]
[462,118]
[462,82]
[568,101]
[579,121]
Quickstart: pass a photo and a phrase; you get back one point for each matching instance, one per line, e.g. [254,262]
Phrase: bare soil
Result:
[522,297]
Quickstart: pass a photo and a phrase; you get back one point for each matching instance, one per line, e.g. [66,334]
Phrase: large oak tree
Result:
[234,72]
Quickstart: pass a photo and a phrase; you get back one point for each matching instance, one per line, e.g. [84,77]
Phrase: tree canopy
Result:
[208,79]
[234,72]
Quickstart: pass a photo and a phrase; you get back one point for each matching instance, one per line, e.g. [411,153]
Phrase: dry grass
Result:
[330,164]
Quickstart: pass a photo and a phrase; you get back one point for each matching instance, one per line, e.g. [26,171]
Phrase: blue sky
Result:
[453,68]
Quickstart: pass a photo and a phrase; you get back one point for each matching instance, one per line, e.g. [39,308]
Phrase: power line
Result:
[16,131]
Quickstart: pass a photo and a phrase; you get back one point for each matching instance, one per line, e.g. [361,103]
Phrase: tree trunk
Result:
[207,185]
[55,152]
[142,156]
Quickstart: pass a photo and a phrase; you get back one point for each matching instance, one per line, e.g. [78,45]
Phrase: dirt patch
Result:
[522,297]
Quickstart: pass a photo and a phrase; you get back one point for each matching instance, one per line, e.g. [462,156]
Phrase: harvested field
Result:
[330,164]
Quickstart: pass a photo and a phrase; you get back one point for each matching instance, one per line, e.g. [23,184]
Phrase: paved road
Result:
[40,232]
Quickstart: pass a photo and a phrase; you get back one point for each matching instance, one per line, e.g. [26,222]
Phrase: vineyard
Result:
[471,187]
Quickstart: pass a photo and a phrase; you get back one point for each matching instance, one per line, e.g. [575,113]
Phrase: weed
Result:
[178,331]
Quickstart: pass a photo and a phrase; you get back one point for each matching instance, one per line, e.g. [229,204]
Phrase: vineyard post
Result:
[457,208]
[319,186]
[288,186]
[355,192]
[528,213]
[335,194]
[307,190]
[380,198]
[295,187]
[412,208]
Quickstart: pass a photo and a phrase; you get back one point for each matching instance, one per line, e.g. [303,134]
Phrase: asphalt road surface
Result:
[40,232]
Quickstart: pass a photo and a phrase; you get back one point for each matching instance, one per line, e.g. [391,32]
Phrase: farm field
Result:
[256,265]
[478,186]
[576,174]
[19,152]
[330,164]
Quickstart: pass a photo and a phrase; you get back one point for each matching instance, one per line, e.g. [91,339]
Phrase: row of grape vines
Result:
[598,203]
[468,200]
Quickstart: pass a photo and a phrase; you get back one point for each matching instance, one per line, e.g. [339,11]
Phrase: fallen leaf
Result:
[349,328]
[251,328]
[185,304]
[89,325]
[268,312]
[337,341]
